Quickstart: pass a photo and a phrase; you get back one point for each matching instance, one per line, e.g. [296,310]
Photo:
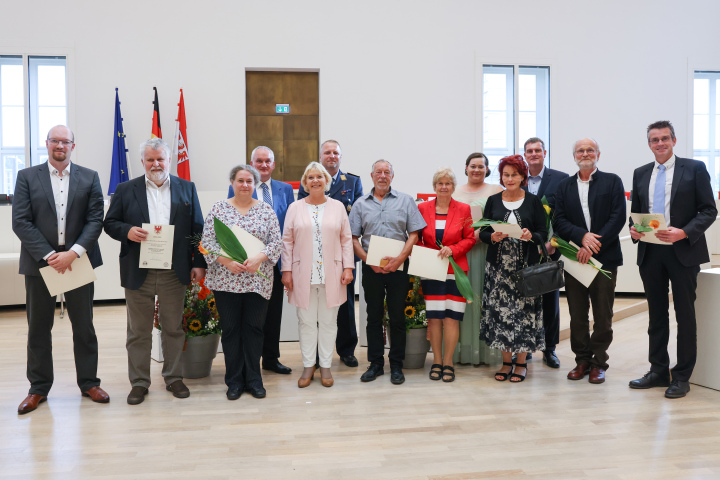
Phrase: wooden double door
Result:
[294,137]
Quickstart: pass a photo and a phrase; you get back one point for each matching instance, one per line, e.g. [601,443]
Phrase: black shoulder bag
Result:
[544,277]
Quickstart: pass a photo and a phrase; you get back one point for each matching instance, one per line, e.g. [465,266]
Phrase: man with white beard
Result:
[160,199]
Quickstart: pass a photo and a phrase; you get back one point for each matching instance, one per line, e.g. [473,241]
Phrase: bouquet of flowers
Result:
[414,307]
[200,316]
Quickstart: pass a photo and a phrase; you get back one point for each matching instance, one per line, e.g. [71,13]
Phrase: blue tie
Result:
[659,195]
[268,199]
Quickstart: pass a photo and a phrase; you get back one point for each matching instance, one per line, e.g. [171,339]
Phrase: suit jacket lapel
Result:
[544,183]
[677,178]
[574,199]
[431,222]
[592,194]
[44,179]
[644,186]
[450,221]
[174,198]
[339,185]
[141,197]
[74,182]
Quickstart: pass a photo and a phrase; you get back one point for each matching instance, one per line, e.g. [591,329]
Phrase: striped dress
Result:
[443,299]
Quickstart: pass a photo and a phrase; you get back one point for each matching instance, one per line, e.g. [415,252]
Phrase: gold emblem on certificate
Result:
[156,251]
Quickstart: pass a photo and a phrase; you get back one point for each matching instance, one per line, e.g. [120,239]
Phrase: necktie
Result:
[268,199]
[659,195]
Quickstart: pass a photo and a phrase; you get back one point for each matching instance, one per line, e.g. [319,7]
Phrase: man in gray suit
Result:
[57,215]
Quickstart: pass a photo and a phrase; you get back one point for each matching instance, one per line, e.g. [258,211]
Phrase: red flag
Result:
[156,131]
[183,158]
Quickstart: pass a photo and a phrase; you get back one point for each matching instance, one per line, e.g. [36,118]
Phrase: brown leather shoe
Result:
[30,403]
[597,375]
[97,394]
[579,372]
[327,382]
[178,389]
[305,382]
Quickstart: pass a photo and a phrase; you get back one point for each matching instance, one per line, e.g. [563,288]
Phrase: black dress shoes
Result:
[233,393]
[396,376]
[257,392]
[350,361]
[551,359]
[650,380]
[277,367]
[372,373]
[677,389]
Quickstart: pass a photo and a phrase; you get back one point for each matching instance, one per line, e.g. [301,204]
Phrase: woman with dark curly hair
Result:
[512,323]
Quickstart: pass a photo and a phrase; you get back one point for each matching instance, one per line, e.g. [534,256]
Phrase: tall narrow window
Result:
[32,88]
[516,106]
[706,121]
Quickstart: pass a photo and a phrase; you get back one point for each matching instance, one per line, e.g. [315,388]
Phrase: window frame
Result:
[712,152]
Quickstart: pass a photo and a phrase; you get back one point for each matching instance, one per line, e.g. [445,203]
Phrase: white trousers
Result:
[317,328]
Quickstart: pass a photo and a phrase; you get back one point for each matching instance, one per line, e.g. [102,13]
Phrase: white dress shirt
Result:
[259,191]
[60,185]
[583,190]
[158,199]
[533,185]
[669,170]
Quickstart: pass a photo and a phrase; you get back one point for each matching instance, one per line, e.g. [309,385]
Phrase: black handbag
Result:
[544,277]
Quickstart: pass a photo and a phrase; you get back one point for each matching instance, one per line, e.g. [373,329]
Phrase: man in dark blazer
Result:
[279,195]
[156,198]
[57,215]
[680,189]
[543,182]
[346,188]
[590,211]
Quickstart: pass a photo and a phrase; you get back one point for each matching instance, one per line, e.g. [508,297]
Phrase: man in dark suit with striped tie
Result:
[279,195]
[680,189]
[543,181]
[346,188]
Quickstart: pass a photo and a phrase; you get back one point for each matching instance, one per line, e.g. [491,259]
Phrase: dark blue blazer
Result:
[129,208]
[346,191]
[692,207]
[606,197]
[282,197]
[34,218]
[550,181]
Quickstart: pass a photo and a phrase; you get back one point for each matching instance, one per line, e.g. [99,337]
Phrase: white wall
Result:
[397,78]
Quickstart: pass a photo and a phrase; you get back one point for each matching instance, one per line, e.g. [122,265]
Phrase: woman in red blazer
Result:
[449,222]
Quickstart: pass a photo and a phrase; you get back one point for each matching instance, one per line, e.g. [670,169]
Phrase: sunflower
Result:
[409,297]
[410,311]
[211,303]
[195,325]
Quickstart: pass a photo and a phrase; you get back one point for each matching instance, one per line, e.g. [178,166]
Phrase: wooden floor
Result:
[547,427]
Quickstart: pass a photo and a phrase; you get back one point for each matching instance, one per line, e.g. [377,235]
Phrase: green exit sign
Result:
[282,108]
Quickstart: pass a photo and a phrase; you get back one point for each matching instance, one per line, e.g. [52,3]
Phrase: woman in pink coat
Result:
[317,264]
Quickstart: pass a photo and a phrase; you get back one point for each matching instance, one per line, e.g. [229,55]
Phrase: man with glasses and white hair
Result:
[680,190]
[387,213]
[160,199]
[590,211]
[279,195]
[57,214]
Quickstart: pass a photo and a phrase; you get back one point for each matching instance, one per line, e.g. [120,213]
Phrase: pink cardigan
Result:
[297,251]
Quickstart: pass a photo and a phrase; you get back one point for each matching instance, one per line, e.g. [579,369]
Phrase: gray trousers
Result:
[140,313]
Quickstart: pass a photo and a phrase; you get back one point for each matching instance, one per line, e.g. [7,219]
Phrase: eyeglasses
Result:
[55,141]
[656,140]
[583,151]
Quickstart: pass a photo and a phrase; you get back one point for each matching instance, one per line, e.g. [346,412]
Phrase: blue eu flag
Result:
[119,170]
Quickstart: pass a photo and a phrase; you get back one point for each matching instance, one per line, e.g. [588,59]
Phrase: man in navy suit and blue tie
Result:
[279,195]
[680,189]
[346,188]
[590,211]
[543,182]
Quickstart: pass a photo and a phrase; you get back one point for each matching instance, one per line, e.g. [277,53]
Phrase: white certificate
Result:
[424,262]
[249,242]
[82,273]
[656,221]
[383,247]
[582,272]
[512,230]
[476,211]
[156,251]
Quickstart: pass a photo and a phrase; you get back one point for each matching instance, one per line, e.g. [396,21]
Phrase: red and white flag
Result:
[180,147]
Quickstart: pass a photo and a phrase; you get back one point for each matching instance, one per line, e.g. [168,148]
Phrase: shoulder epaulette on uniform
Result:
[352,174]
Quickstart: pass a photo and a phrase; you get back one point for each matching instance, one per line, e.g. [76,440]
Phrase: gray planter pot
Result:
[417,347]
[198,356]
